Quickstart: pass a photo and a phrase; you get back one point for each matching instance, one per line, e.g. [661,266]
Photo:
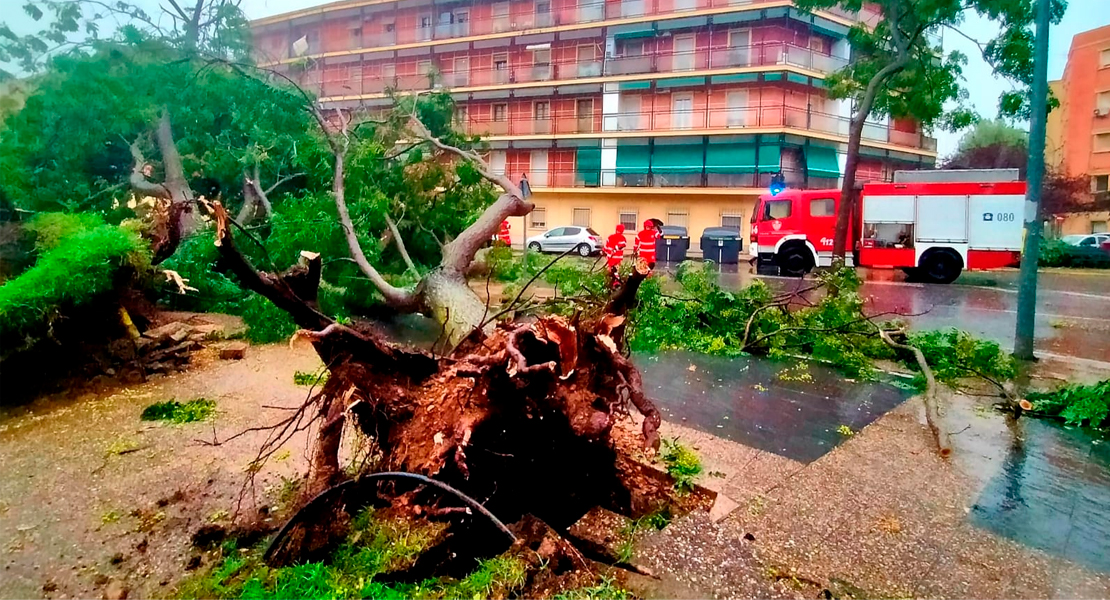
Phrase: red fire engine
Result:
[930,224]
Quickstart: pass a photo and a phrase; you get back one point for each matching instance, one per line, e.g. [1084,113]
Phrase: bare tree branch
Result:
[401,245]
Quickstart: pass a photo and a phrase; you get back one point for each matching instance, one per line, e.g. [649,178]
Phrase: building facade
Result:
[616,111]
[1078,135]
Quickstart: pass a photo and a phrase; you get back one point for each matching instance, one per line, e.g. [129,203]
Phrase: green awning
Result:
[770,159]
[736,17]
[822,162]
[632,160]
[735,78]
[730,158]
[635,85]
[772,76]
[635,31]
[680,82]
[686,23]
[685,158]
[588,166]
[795,78]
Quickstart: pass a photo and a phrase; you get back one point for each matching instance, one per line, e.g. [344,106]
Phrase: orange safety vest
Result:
[614,249]
[504,234]
[645,243]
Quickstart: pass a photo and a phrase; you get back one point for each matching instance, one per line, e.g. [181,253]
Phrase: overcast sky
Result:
[983,87]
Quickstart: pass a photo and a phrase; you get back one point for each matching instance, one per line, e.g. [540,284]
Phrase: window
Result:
[776,209]
[888,235]
[543,7]
[541,57]
[1102,102]
[537,219]
[1102,142]
[541,110]
[460,74]
[572,230]
[462,16]
[1104,58]
[584,108]
[501,9]
[1098,227]
[822,207]
[500,112]
[587,53]
[356,37]
[1100,183]
[684,59]
[501,62]
[581,217]
[737,102]
[389,73]
[633,47]
[682,106]
[425,21]
[734,219]
[629,218]
[678,217]
[389,27]
[424,67]
[460,115]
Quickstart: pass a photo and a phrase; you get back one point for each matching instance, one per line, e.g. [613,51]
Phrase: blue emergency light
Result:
[778,183]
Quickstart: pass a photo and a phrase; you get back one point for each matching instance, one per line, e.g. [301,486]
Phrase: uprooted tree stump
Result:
[530,417]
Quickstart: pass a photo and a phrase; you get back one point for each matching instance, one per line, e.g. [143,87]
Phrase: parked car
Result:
[1094,240]
[582,240]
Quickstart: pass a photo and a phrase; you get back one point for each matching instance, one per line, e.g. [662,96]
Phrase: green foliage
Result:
[308,378]
[682,464]
[705,318]
[992,132]
[955,354]
[51,228]
[224,121]
[606,589]
[903,56]
[192,411]
[1055,253]
[79,269]
[373,547]
[1076,404]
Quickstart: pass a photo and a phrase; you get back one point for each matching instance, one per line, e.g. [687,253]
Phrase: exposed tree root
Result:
[521,415]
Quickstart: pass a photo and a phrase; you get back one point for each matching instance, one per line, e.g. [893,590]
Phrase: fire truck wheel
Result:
[583,250]
[795,262]
[941,266]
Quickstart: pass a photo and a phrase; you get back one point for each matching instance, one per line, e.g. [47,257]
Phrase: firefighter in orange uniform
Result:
[614,254]
[645,243]
[503,235]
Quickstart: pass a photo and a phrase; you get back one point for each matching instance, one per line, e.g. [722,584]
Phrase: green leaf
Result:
[32,10]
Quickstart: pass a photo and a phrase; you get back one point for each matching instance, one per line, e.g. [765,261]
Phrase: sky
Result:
[983,87]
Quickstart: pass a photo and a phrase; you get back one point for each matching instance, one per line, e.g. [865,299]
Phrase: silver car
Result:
[583,240]
[1093,240]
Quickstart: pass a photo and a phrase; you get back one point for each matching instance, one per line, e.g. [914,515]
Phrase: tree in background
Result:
[994,144]
[212,27]
[899,69]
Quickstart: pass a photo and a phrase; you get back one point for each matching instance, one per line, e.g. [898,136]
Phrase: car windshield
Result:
[1072,239]
[592,232]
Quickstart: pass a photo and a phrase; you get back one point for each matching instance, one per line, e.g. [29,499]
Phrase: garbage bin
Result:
[721,245]
[673,245]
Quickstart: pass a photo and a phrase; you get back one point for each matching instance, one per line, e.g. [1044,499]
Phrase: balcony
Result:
[375,36]
[738,119]
[706,178]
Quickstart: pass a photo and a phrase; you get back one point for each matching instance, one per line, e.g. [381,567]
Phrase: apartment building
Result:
[616,111]
[1078,132]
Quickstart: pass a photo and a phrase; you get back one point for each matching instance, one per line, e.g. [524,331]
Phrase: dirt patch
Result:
[86,483]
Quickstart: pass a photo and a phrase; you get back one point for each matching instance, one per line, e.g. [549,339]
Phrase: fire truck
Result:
[930,224]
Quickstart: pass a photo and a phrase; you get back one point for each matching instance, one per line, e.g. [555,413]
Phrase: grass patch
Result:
[682,464]
[310,378]
[176,412]
[1076,404]
[655,520]
[606,589]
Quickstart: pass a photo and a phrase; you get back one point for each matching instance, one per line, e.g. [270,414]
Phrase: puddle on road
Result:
[744,400]
[1052,493]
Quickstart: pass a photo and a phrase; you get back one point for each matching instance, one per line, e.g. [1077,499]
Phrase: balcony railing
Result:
[723,57]
[584,13]
[738,118]
[608,178]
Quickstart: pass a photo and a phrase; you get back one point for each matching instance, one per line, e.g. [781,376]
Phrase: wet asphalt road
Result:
[1073,308]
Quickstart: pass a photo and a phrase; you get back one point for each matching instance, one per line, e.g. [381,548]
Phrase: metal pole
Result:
[1027,286]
